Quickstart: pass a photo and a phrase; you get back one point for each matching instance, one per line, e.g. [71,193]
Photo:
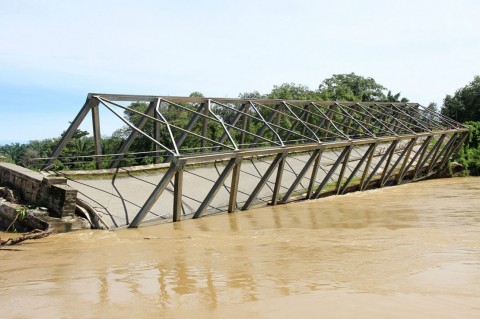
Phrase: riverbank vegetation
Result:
[469,155]
[464,107]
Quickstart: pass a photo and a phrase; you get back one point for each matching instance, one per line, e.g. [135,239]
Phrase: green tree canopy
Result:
[292,91]
[339,87]
[464,105]
[351,87]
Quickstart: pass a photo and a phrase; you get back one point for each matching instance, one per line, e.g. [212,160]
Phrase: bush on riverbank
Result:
[469,155]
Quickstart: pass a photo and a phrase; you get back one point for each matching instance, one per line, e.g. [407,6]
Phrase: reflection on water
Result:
[408,251]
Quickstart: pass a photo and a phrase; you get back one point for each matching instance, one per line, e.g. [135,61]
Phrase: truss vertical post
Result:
[152,199]
[97,138]
[313,177]
[343,124]
[355,170]
[244,125]
[344,167]
[307,117]
[402,171]
[278,180]
[387,164]
[128,142]
[156,132]
[204,129]
[300,176]
[263,181]
[399,159]
[367,167]
[177,195]
[457,147]
[329,122]
[70,132]
[419,165]
[420,151]
[232,202]
[178,191]
[276,119]
[379,164]
[216,187]
[450,147]
[349,123]
[433,153]
[439,155]
[331,172]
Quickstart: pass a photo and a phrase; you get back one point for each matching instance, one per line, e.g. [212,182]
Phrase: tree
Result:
[464,105]
[292,91]
[432,107]
[196,94]
[351,87]
[469,155]
[13,152]
[395,97]
[252,95]
[37,149]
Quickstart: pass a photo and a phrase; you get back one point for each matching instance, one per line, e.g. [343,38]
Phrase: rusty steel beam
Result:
[232,202]
[97,136]
[216,187]
[368,155]
[300,176]
[264,180]
[152,199]
[331,172]
[280,128]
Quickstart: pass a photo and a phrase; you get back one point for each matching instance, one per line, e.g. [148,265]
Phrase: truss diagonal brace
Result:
[339,160]
[263,180]
[216,187]
[152,199]
[420,151]
[69,133]
[302,173]
[365,156]
[405,153]
[434,150]
[128,142]
[388,154]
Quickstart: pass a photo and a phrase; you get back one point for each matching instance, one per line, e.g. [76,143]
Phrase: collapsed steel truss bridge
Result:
[281,149]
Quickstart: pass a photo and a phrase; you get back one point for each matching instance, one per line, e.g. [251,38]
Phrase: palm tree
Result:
[396,97]
[14,152]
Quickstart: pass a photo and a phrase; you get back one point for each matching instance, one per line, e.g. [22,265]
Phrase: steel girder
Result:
[373,142]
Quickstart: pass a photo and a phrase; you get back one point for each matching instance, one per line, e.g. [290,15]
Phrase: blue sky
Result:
[54,52]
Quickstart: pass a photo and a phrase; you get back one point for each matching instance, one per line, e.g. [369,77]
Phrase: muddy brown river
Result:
[411,251]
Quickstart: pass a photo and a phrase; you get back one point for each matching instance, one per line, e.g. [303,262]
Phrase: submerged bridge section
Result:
[207,155]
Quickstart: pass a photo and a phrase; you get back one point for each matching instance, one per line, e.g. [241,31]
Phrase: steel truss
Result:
[370,144]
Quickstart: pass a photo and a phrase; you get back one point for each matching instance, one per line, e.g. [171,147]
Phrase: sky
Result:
[54,52]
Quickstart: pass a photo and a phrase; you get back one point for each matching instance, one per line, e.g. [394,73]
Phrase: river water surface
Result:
[410,251]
